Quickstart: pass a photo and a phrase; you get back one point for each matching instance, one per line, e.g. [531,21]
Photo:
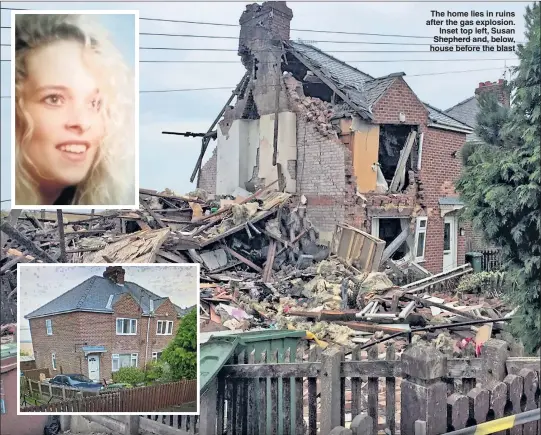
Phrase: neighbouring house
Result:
[101,325]
[466,112]
[362,150]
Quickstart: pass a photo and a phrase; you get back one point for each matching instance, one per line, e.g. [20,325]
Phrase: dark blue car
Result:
[76,381]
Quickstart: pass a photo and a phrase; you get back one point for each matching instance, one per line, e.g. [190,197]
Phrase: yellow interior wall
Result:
[365,154]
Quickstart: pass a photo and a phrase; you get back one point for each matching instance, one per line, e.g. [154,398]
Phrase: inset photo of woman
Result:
[75,88]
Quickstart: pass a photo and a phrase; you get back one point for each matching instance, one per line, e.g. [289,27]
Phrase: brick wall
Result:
[439,170]
[321,175]
[399,97]
[74,330]
[207,175]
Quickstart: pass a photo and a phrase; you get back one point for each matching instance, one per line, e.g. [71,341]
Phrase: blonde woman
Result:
[74,119]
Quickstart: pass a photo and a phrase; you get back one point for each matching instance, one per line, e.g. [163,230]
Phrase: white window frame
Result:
[420,230]
[155,355]
[53,360]
[134,357]
[49,326]
[168,330]
[132,322]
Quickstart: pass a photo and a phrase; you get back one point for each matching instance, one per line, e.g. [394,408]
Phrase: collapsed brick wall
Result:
[324,163]
[207,175]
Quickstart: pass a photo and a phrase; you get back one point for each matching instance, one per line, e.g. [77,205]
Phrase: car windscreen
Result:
[77,379]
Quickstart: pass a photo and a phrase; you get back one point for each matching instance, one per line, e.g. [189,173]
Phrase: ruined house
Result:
[360,149]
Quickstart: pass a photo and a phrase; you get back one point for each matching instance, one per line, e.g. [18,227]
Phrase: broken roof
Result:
[94,294]
[362,89]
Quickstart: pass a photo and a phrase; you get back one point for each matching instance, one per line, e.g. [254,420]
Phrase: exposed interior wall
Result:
[231,159]
[287,149]
[245,152]
[365,153]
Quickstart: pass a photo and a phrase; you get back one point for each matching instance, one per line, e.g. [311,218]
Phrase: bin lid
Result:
[270,334]
[474,254]
[214,354]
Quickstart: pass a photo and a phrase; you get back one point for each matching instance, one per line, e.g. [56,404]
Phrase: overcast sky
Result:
[41,284]
[168,161]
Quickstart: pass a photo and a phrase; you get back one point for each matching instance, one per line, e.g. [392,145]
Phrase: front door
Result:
[94,367]
[449,242]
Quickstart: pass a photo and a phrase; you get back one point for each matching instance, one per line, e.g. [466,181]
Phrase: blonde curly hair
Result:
[111,178]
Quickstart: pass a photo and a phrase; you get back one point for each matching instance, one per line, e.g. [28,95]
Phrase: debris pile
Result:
[263,266]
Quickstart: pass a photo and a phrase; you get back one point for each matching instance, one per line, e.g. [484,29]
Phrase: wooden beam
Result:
[362,112]
[62,238]
[395,244]
[206,139]
[270,261]
[243,259]
[399,174]
[151,212]
[13,233]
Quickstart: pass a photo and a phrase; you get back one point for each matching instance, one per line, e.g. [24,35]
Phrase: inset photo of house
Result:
[109,338]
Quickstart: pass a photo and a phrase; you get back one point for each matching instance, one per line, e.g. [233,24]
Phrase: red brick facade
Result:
[72,331]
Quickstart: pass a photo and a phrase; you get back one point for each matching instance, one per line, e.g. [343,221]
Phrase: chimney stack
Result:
[115,274]
[262,30]
[499,88]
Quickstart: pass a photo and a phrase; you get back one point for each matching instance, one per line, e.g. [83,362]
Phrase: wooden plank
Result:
[274,396]
[16,235]
[264,415]
[62,239]
[298,423]
[283,370]
[516,364]
[390,393]
[267,271]
[444,307]
[373,391]
[286,398]
[330,389]
[312,395]
[402,160]
[252,400]
[243,259]
[356,385]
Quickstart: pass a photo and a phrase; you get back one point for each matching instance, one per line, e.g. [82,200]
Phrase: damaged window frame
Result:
[418,231]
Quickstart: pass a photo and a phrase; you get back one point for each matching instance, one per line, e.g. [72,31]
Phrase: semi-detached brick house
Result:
[102,324]
[341,135]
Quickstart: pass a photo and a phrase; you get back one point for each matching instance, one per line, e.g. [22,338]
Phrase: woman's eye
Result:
[96,104]
[54,100]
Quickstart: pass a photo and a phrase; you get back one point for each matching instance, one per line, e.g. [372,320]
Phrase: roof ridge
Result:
[458,104]
[87,292]
[449,116]
[58,297]
[332,57]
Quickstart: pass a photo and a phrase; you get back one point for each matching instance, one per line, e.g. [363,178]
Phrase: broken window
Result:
[420,239]
[395,140]
[388,229]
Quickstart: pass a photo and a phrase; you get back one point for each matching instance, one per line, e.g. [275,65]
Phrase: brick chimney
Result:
[262,28]
[499,88]
[115,274]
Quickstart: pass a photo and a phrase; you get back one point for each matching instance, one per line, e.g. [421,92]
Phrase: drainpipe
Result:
[148,332]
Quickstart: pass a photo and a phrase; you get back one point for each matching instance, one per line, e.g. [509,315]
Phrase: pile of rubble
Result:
[262,266]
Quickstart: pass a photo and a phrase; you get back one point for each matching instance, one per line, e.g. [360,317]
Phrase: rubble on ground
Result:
[263,266]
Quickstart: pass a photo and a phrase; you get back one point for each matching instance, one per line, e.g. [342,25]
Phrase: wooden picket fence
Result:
[306,391]
[140,399]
